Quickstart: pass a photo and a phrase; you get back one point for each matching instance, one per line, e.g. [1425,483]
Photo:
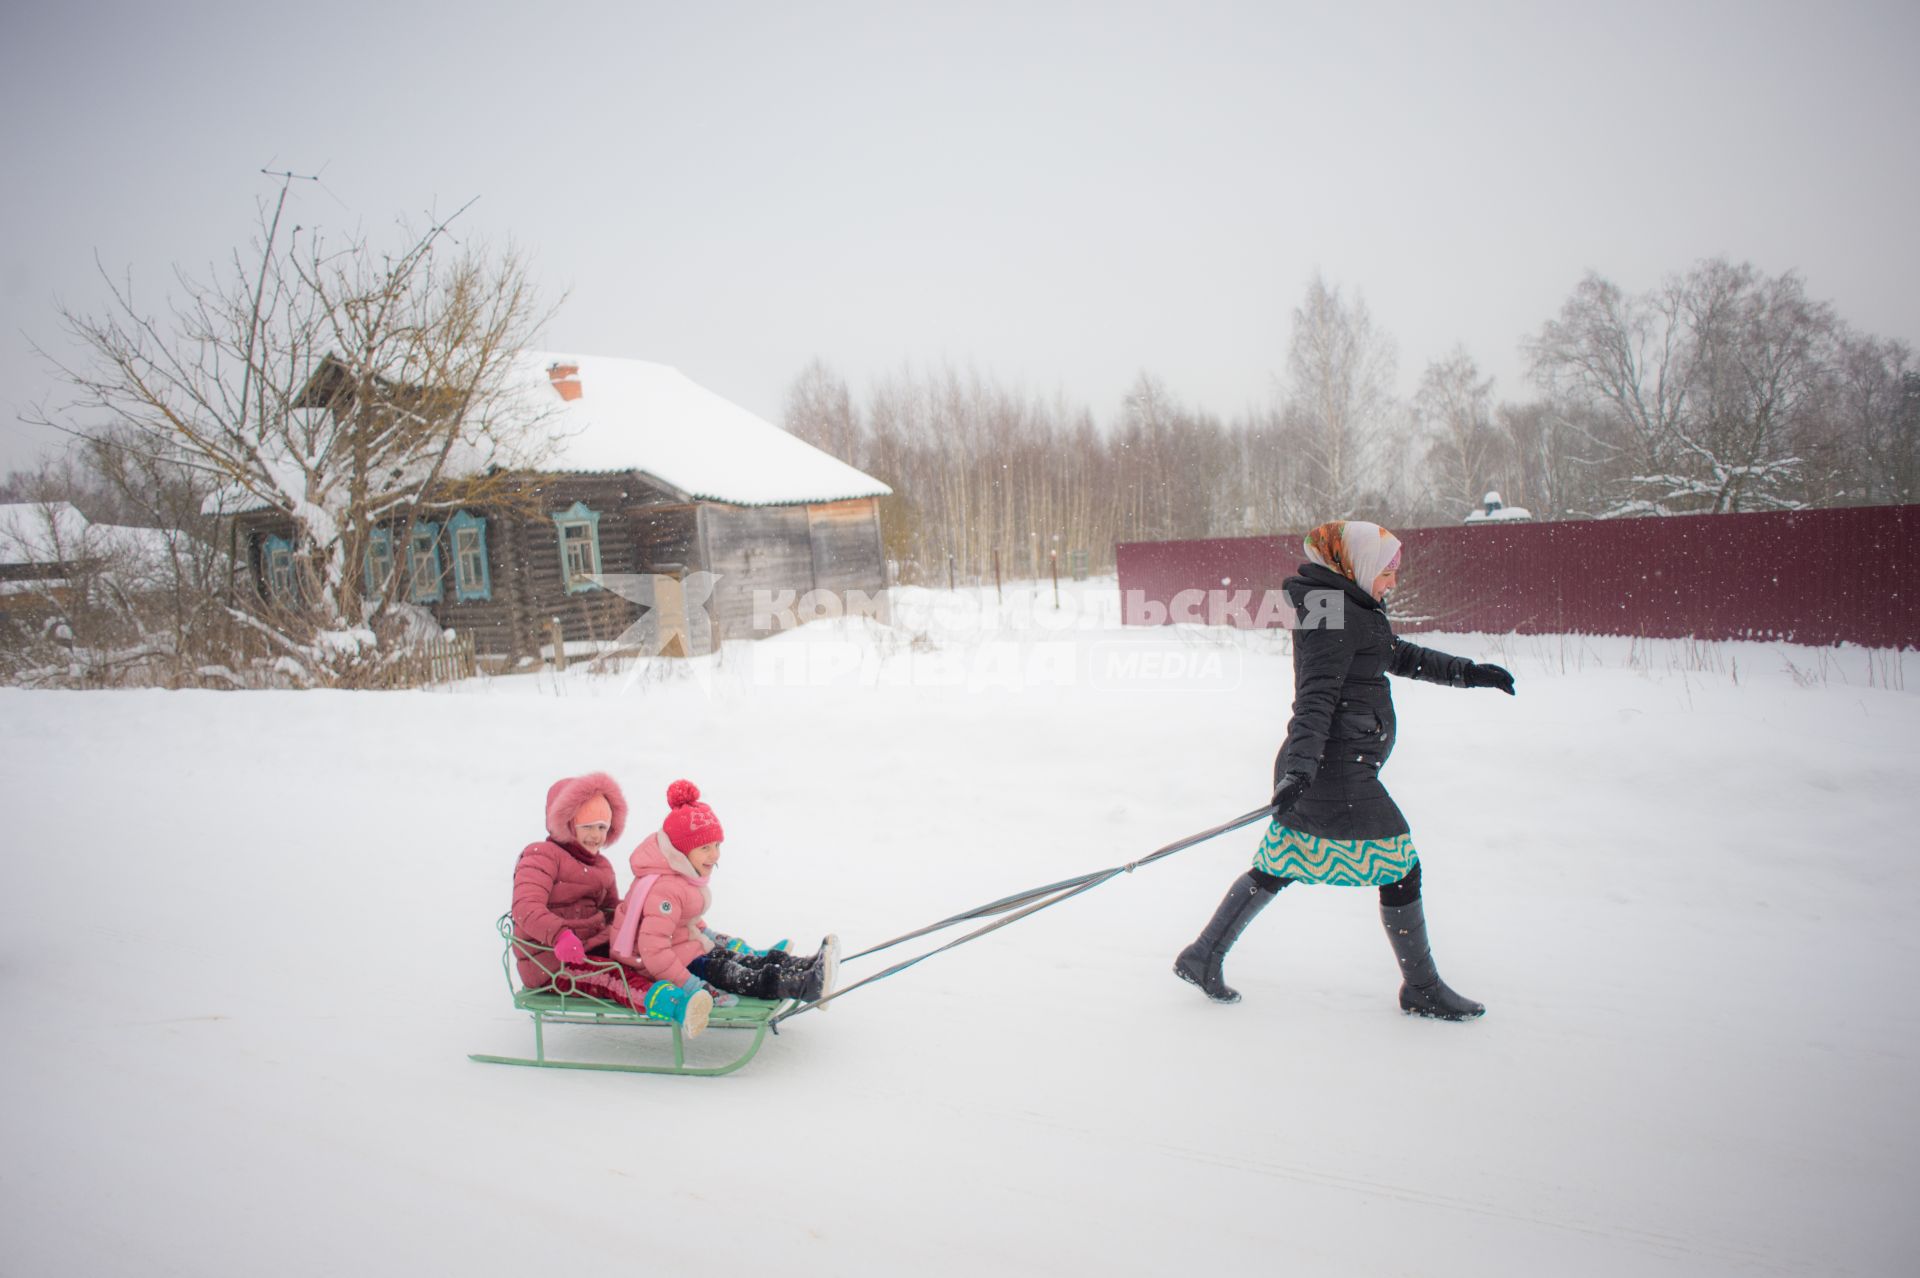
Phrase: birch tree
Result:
[1339,398]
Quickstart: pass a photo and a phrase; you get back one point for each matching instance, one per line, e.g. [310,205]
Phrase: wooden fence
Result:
[439,660]
[1808,576]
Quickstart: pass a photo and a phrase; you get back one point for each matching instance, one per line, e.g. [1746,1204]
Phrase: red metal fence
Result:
[1804,576]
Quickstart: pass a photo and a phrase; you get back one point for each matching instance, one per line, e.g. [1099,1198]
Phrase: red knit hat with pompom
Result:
[692,823]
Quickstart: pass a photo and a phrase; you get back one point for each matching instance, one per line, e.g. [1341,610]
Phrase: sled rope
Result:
[1031,901]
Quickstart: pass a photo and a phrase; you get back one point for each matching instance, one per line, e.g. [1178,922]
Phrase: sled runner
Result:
[551,1007]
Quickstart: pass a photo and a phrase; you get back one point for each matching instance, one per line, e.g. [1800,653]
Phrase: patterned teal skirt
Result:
[1337,862]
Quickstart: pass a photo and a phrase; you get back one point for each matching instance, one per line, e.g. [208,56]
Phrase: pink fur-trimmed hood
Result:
[568,795]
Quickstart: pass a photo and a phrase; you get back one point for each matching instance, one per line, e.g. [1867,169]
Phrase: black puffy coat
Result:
[1343,725]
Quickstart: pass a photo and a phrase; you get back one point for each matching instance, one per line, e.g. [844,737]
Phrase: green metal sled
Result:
[549,1006]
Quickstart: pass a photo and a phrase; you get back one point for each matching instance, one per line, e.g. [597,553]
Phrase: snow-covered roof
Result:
[630,414]
[621,415]
[55,533]
[41,533]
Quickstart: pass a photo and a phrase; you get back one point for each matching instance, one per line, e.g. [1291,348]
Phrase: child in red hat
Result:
[661,925]
[564,900]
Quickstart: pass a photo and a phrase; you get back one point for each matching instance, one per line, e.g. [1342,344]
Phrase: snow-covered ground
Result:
[250,946]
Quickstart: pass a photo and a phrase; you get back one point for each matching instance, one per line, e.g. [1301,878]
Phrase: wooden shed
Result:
[658,496]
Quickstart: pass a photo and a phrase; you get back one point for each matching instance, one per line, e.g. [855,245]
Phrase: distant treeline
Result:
[1722,390]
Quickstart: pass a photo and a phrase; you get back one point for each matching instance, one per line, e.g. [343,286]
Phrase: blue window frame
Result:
[276,558]
[467,537]
[423,564]
[379,566]
[579,530]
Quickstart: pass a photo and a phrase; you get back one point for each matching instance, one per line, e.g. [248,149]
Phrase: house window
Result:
[471,579]
[424,563]
[579,547]
[379,570]
[277,556]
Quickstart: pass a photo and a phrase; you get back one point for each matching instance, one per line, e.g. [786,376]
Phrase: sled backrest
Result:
[518,947]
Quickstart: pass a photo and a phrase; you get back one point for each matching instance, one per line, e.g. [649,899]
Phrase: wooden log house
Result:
[650,475]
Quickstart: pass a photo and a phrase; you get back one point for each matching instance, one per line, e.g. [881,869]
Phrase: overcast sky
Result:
[1060,195]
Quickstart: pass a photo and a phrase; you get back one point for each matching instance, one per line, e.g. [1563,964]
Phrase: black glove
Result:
[1287,792]
[1487,676]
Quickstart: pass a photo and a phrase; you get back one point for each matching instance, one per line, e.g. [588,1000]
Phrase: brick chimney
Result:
[566,379]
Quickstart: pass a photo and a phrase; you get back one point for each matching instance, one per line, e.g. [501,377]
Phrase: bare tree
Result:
[1875,413]
[1761,349]
[1902,447]
[820,410]
[1627,358]
[1339,397]
[1261,498]
[1553,467]
[186,566]
[1712,393]
[349,387]
[1454,409]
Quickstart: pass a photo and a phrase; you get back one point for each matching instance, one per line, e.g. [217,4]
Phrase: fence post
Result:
[557,637]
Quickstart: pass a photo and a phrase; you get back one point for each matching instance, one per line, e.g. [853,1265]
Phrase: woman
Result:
[1333,822]
[564,897]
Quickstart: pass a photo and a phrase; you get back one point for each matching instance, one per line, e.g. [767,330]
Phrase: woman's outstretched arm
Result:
[1411,661]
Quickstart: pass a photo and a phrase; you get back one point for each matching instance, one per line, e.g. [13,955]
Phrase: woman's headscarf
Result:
[1355,549]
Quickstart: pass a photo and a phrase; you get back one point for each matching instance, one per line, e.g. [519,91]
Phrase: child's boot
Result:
[748,975]
[775,975]
[670,1002]
[807,980]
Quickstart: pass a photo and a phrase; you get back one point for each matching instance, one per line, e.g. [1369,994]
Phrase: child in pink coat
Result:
[661,926]
[564,901]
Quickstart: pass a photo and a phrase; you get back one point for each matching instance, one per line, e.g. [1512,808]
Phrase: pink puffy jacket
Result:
[557,884]
[664,936]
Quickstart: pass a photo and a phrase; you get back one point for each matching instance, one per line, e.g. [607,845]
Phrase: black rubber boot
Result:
[755,975]
[1422,992]
[1200,963]
[775,975]
[800,978]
